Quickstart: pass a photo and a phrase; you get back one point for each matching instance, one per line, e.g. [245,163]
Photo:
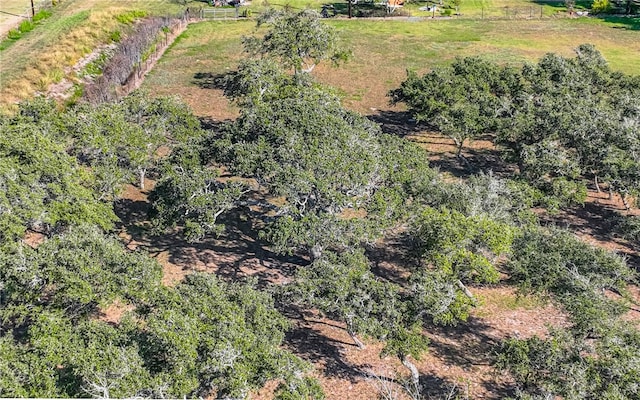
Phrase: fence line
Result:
[219,13]
[37,7]
[510,12]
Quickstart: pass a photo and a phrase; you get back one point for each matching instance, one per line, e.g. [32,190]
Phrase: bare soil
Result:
[10,22]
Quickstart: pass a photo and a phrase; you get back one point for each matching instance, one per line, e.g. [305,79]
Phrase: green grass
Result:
[384,49]
[468,8]
[507,301]
[129,17]
[42,15]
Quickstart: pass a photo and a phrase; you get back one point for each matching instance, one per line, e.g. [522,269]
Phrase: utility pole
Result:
[349,1]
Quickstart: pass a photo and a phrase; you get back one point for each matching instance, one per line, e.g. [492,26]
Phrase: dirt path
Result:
[9,22]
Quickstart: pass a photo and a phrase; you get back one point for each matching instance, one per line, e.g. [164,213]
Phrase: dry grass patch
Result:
[51,60]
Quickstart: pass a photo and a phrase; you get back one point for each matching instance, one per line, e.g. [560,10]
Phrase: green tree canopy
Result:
[557,264]
[328,164]
[298,40]
[201,338]
[461,100]
[42,188]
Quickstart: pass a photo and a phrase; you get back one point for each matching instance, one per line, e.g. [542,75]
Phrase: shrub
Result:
[564,365]
[41,15]
[130,52]
[26,26]
[129,17]
[14,34]
[627,227]
[115,36]
[600,6]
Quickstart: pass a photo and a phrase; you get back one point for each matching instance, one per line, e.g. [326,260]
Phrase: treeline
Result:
[343,185]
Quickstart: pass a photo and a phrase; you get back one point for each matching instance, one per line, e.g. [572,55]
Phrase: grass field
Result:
[383,50]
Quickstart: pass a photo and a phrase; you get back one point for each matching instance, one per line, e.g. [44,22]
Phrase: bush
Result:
[129,17]
[14,34]
[127,56]
[627,227]
[26,26]
[115,36]
[567,366]
[600,6]
[41,15]
[556,263]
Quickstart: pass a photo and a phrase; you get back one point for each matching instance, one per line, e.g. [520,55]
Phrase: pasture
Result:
[460,359]
[383,50]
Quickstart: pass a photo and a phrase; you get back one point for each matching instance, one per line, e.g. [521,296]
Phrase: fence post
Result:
[540,12]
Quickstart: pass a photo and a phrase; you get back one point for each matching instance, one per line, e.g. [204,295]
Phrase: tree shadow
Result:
[214,125]
[628,22]
[312,345]
[208,80]
[133,216]
[392,258]
[467,345]
[474,345]
[559,5]
[599,222]
[399,123]
[236,254]
[473,162]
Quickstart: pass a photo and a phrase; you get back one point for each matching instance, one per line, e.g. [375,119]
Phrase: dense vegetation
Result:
[563,120]
[324,183]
